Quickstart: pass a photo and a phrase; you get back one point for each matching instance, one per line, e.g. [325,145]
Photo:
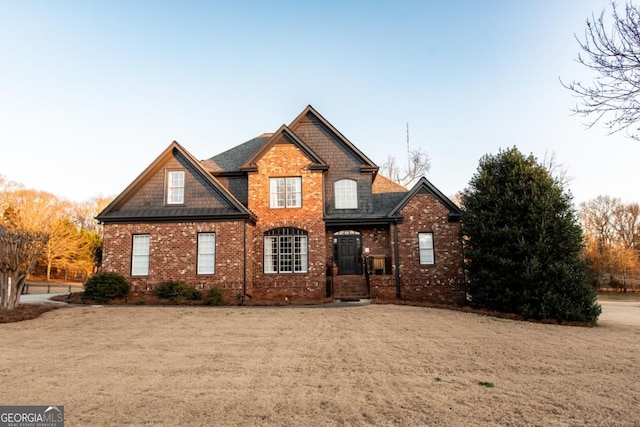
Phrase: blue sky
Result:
[92,91]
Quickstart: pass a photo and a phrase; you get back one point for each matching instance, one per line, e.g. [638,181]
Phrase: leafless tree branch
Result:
[613,53]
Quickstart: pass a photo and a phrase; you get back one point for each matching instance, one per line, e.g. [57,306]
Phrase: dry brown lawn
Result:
[380,365]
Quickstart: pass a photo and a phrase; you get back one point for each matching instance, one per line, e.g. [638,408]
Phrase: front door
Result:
[348,251]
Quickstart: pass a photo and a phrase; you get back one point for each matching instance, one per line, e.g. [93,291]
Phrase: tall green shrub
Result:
[103,286]
[523,242]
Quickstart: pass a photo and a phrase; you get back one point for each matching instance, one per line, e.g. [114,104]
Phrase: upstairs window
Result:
[285,192]
[175,187]
[346,194]
[140,255]
[285,251]
[425,242]
[206,253]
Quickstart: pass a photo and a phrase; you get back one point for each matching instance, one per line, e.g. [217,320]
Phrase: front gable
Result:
[424,187]
[346,164]
[285,157]
[322,136]
[145,199]
[284,135]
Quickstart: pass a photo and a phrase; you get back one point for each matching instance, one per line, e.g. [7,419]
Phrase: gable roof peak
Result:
[284,132]
[309,110]
[173,149]
[424,184]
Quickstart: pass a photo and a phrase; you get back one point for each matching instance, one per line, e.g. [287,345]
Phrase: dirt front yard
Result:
[378,365]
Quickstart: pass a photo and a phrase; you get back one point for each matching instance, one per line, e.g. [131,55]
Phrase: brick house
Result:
[299,215]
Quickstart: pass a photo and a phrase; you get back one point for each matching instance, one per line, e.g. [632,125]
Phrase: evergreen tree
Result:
[523,242]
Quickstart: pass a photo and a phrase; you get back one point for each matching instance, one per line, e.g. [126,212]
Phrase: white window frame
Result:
[206,253]
[140,250]
[175,187]
[285,192]
[345,192]
[286,252]
[426,248]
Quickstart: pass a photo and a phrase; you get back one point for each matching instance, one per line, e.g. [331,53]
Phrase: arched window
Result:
[346,194]
[285,251]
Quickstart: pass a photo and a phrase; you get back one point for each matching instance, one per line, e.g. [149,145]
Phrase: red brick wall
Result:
[286,160]
[442,281]
[173,254]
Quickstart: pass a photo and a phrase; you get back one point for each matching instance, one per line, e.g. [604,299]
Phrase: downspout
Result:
[397,253]
[244,264]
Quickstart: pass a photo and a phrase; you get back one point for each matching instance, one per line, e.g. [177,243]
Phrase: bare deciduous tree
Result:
[19,251]
[626,223]
[417,165]
[84,213]
[612,231]
[75,241]
[63,246]
[613,53]
[597,217]
[557,170]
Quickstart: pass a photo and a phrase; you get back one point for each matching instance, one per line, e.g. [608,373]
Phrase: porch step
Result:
[351,287]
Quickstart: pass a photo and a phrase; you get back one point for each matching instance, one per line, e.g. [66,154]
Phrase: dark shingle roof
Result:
[386,194]
[232,159]
[384,202]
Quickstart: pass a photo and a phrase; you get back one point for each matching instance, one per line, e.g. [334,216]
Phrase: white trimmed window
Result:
[285,251]
[206,253]
[425,242]
[346,194]
[175,187]
[140,255]
[285,192]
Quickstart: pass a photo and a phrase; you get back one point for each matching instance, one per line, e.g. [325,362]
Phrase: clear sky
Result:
[91,92]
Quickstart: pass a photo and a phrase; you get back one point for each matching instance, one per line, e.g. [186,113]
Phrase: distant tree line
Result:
[73,248]
[612,234]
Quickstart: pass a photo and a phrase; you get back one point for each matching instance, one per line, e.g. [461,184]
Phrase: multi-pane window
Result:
[285,251]
[140,255]
[425,242]
[175,187]
[285,192]
[206,253]
[346,194]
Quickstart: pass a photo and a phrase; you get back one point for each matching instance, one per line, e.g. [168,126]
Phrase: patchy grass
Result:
[144,298]
[486,384]
[482,312]
[25,312]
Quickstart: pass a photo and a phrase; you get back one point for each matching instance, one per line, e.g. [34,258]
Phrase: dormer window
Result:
[285,192]
[346,194]
[175,187]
